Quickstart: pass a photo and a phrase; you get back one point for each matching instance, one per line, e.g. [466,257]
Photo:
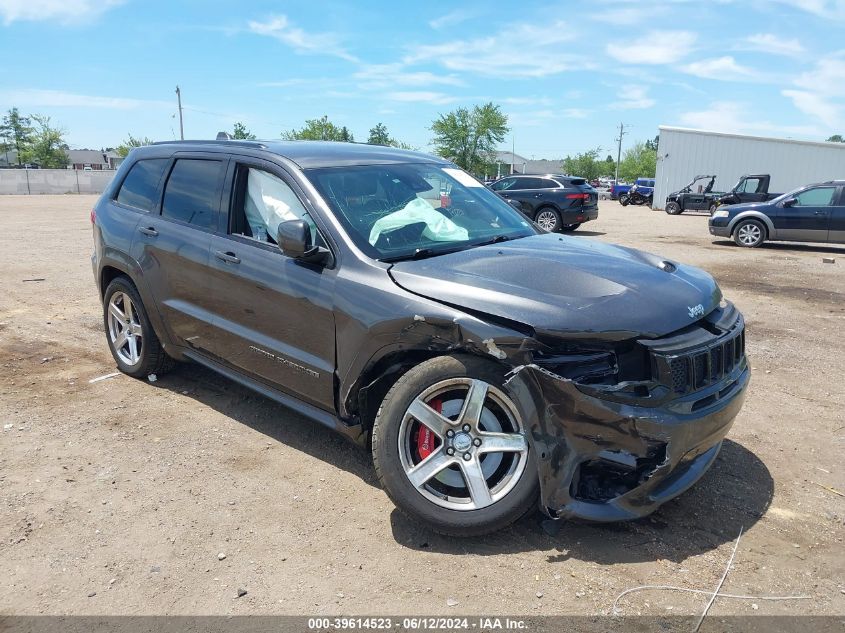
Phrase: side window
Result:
[261,202]
[549,184]
[504,183]
[141,184]
[192,192]
[818,197]
[527,183]
[751,185]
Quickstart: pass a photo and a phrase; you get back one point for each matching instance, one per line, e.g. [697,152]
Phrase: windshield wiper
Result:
[420,253]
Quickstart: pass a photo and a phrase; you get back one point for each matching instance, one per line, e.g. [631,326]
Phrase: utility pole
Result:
[513,156]
[619,149]
[181,127]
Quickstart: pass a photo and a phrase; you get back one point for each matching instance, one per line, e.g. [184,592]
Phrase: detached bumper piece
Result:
[614,456]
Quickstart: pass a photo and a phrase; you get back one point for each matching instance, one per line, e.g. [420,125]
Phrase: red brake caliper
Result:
[426,439]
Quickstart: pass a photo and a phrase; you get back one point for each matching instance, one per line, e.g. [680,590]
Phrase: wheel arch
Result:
[753,215]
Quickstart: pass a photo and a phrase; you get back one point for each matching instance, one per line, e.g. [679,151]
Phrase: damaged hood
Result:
[566,286]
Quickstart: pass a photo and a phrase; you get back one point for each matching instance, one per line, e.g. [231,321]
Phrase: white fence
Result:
[34,181]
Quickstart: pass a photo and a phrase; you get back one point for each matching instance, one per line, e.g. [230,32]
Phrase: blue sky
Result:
[566,73]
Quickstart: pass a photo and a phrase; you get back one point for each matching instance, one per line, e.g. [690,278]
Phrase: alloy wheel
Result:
[749,234]
[547,220]
[125,332]
[462,445]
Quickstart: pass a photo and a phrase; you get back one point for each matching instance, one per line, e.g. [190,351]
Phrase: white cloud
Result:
[65,11]
[303,43]
[730,116]
[632,97]
[773,44]
[381,75]
[721,68]
[453,18]
[656,47]
[828,9]
[520,51]
[421,96]
[821,92]
[61,99]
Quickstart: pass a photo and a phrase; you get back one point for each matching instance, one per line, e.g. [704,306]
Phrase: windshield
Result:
[409,210]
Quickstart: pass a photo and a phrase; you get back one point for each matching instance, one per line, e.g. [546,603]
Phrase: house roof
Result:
[509,158]
[86,156]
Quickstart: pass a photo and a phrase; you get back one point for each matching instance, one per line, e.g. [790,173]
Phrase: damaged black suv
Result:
[392,297]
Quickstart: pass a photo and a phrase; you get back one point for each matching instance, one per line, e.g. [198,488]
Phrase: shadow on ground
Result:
[277,422]
[791,246]
[734,494]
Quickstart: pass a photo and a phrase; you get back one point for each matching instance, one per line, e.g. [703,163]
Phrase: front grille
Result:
[691,370]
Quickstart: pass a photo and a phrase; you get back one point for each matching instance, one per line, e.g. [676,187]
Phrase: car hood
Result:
[566,286]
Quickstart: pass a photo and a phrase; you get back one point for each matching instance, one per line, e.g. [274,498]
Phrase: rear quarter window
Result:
[139,188]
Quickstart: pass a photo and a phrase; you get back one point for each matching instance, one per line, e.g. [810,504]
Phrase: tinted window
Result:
[504,183]
[192,191]
[818,197]
[548,184]
[528,183]
[141,183]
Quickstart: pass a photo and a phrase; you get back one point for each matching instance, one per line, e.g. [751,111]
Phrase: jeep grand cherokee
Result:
[393,298]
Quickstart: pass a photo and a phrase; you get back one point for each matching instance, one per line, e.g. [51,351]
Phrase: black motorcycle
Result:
[635,196]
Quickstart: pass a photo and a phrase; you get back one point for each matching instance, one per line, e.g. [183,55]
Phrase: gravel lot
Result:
[130,497]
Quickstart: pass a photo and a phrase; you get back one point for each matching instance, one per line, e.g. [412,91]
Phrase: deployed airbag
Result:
[438,227]
[269,202]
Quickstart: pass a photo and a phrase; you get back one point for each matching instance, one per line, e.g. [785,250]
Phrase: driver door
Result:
[808,219]
[273,316]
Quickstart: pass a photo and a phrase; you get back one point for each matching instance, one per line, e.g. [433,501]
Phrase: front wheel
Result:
[749,233]
[450,448]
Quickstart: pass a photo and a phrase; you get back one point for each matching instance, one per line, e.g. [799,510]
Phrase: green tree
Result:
[319,130]
[379,135]
[240,132]
[47,147]
[609,167]
[469,137]
[653,144]
[131,143]
[836,138]
[586,165]
[638,161]
[16,131]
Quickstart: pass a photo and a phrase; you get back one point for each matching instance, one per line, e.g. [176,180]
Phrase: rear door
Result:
[836,228]
[808,219]
[172,245]
[273,316]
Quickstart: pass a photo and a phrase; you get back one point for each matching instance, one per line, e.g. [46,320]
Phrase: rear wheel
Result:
[749,233]
[132,341]
[450,448]
[713,207]
[548,219]
[624,199]
[673,208]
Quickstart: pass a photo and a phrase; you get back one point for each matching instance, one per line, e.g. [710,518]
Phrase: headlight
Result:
[721,213]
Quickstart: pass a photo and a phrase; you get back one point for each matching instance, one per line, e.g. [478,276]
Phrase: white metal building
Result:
[683,154]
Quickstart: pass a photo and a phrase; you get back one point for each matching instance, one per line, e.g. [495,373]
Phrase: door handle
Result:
[228,257]
[820,212]
[148,230]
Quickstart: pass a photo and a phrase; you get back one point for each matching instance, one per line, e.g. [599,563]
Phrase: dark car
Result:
[556,203]
[393,298]
[814,213]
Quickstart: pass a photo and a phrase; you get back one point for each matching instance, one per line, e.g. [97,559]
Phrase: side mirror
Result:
[294,240]
[790,202]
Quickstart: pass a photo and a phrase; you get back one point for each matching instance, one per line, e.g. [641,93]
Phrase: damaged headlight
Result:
[626,362]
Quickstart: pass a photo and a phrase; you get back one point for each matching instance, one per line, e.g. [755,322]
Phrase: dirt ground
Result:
[118,497]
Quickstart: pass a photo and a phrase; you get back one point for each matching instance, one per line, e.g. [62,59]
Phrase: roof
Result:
[687,130]
[90,156]
[509,158]
[314,154]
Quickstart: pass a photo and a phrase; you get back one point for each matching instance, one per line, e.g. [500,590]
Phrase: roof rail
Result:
[255,144]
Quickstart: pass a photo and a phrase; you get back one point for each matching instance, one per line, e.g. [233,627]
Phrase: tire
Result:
[141,353]
[749,233]
[713,208]
[441,499]
[673,208]
[548,219]
[623,200]
[568,228]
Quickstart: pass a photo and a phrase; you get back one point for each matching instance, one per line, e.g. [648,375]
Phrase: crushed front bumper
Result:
[606,461]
